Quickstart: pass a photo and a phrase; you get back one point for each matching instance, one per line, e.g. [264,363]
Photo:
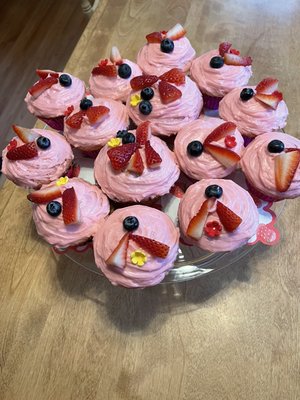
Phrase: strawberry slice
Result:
[267,86]
[71,212]
[154,37]
[119,255]
[271,100]
[234,59]
[106,70]
[176,32]
[197,223]
[25,134]
[143,81]
[43,73]
[115,56]
[136,164]
[226,157]
[153,247]
[45,195]
[234,51]
[168,93]
[220,132]
[43,84]
[143,132]
[224,48]
[96,114]
[175,75]
[75,120]
[228,218]
[153,159]
[120,156]
[24,152]
[286,165]
[69,111]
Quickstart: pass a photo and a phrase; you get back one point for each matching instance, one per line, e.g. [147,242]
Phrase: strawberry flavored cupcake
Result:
[36,157]
[111,78]
[217,215]
[170,101]
[217,72]
[208,148]
[67,212]
[166,50]
[136,167]
[93,122]
[271,166]
[255,110]
[49,98]
[136,246]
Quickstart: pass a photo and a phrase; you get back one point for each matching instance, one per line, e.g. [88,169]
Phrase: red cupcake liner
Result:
[211,102]
[256,193]
[247,140]
[56,123]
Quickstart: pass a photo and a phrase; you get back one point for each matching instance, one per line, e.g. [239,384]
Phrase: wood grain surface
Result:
[67,334]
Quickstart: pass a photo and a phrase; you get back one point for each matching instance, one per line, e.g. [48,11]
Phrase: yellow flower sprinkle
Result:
[138,258]
[135,99]
[114,142]
[62,181]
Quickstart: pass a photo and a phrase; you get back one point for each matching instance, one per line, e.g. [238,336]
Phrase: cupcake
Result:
[111,79]
[36,157]
[208,148]
[217,72]
[67,212]
[136,246]
[255,110]
[166,50]
[271,166]
[136,167]
[169,101]
[92,122]
[217,215]
[49,98]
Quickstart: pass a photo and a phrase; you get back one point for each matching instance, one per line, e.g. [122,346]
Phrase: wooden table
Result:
[67,334]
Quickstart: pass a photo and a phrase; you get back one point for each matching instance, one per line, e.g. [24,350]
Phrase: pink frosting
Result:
[218,81]
[167,119]
[153,224]
[93,137]
[125,186]
[258,165]
[252,117]
[115,88]
[236,199]
[93,205]
[54,101]
[49,165]
[155,62]
[204,166]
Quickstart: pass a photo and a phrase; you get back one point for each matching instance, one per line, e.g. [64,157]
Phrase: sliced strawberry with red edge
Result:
[106,70]
[25,134]
[115,56]
[24,152]
[45,195]
[151,246]
[136,164]
[226,157]
[197,223]
[224,48]
[175,75]
[43,73]
[168,93]
[228,218]
[267,86]
[286,165]
[153,159]
[12,145]
[234,51]
[96,113]
[234,59]
[69,111]
[120,156]
[71,212]
[43,84]
[143,132]
[75,120]
[119,255]
[220,132]
[154,37]
[143,81]
[176,32]
[271,100]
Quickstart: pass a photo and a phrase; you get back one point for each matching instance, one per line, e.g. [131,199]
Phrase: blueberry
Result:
[276,146]
[216,62]
[195,148]
[124,71]
[246,94]
[167,46]
[214,191]
[145,107]
[54,208]
[128,138]
[130,223]
[121,134]
[65,80]
[147,93]
[43,142]
[85,104]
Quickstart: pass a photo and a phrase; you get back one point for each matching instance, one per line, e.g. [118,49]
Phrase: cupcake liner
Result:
[211,102]
[247,140]
[90,153]
[56,123]
[256,193]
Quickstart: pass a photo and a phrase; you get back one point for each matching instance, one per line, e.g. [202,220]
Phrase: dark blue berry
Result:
[214,191]
[276,146]
[216,62]
[130,223]
[167,46]
[195,148]
[65,80]
[124,71]
[121,134]
[128,138]
[246,94]
[145,107]
[43,142]
[147,93]
[85,104]
[54,208]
